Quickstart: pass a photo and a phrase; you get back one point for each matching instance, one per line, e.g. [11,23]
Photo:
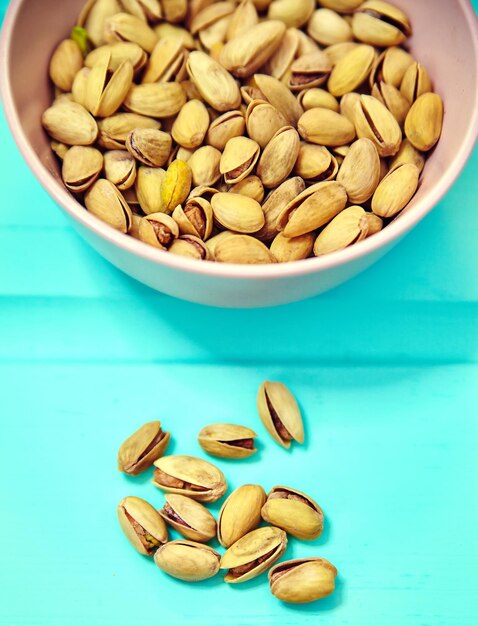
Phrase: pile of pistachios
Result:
[188,481]
[242,131]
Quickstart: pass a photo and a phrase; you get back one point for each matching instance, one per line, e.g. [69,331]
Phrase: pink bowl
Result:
[445,41]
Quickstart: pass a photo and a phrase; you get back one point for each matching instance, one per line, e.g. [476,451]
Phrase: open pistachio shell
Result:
[242,250]
[70,123]
[375,122]
[213,81]
[195,218]
[142,525]
[188,517]
[229,441]
[360,171]
[424,122]
[279,157]
[239,159]
[143,447]
[315,163]
[126,27]
[225,127]
[117,53]
[396,190]
[380,24]
[81,167]
[190,476]
[288,249]
[295,512]
[280,413]
[105,201]
[158,230]
[240,513]
[302,580]
[187,560]
[275,203]
[350,226]
[237,212]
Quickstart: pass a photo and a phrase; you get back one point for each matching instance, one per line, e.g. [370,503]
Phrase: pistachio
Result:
[156,99]
[408,154]
[228,441]
[191,125]
[158,230]
[212,37]
[71,124]
[238,213]
[310,70]
[350,226]
[114,130]
[143,447]
[60,149]
[172,31]
[327,27]
[187,560]
[105,201]
[188,517]
[212,242]
[280,413]
[225,127]
[251,187]
[210,14]
[337,51]
[318,98]
[120,169]
[106,92]
[78,89]
[148,185]
[341,6]
[146,10]
[279,157]
[280,62]
[380,24]
[126,27]
[315,163]
[214,82]
[81,168]
[150,146]
[190,476]
[294,14]
[167,62]
[280,97]
[93,17]
[242,250]
[352,71]
[391,66]
[374,121]
[286,249]
[415,83]
[347,105]
[295,512]
[174,10]
[391,97]
[424,122]
[263,121]
[253,554]
[245,54]
[176,185]
[204,164]
[117,53]
[275,203]
[326,128]
[240,514]
[142,525]
[66,62]
[374,224]
[302,580]
[196,218]
[250,92]
[360,171]
[396,190]
[238,159]
[243,18]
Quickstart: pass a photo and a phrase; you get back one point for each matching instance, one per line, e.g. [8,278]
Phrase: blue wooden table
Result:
[386,369]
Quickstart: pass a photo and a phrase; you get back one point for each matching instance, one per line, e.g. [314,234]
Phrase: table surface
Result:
[386,369]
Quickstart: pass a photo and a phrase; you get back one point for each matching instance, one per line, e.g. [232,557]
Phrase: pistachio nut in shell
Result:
[195,218]
[142,524]
[347,105]
[280,62]
[166,63]
[349,227]
[148,185]
[176,185]
[243,18]
[359,173]
[393,100]
[424,122]
[105,91]
[210,14]
[279,157]
[408,154]
[187,560]
[214,82]
[380,24]
[188,517]
[120,168]
[280,413]
[190,476]
[337,51]
[117,54]
[141,448]
[415,83]
[204,164]
[316,97]
[81,167]
[225,127]
[126,27]
[302,580]
[391,66]
[190,246]
[172,31]
[191,125]
[149,146]
[341,6]
[237,212]
[240,513]
[78,89]
[294,14]
[326,128]
[253,554]
[212,242]
[114,130]
[238,159]
[156,99]
[60,149]
[396,190]
[295,512]
[312,209]
[352,71]
[71,124]
[263,121]
[275,203]
[280,97]
[158,230]
[375,122]
[229,441]
[374,224]
[309,70]
[288,249]
[315,163]
[327,27]
[174,10]
[242,250]
[65,63]
[93,16]
[250,186]
[105,201]
[146,10]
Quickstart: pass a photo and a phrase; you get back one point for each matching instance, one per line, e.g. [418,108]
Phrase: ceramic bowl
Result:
[445,41]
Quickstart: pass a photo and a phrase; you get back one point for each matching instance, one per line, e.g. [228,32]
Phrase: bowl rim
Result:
[382,240]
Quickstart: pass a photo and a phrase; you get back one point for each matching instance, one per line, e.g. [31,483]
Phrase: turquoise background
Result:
[386,370]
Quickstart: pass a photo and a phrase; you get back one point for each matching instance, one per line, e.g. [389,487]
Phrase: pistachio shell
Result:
[212,242]
[158,230]
[347,105]
[156,99]
[374,224]
[146,10]
[360,171]
[174,10]
[374,121]
[190,476]
[148,188]
[391,97]
[326,128]
[81,168]
[295,512]
[341,6]
[318,98]
[117,53]
[150,146]
[120,168]
[352,71]
[167,62]
[126,27]
[280,413]
[187,560]
[294,14]
[142,525]
[350,226]
[328,27]
[396,190]
[229,441]
[225,127]
[191,247]
[114,130]
[315,163]
[391,66]
[143,447]
[408,154]
[105,201]
[309,70]
[243,18]
[204,164]
[242,559]
[280,97]
[93,17]
[279,157]
[380,24]
[251,187]
[240,514]
[287,249]
[188,517]
[213,81]
[242,250]
[78,89]
[211,13]
[196,218]
[71,124]
[263,121]
[176,185]
[275,203]
[283,57]
[191,125]
[238,159]
[337,51]
[415,83]
[424,122]
[171,31]
[65,63]
[237,212]
[302,580]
